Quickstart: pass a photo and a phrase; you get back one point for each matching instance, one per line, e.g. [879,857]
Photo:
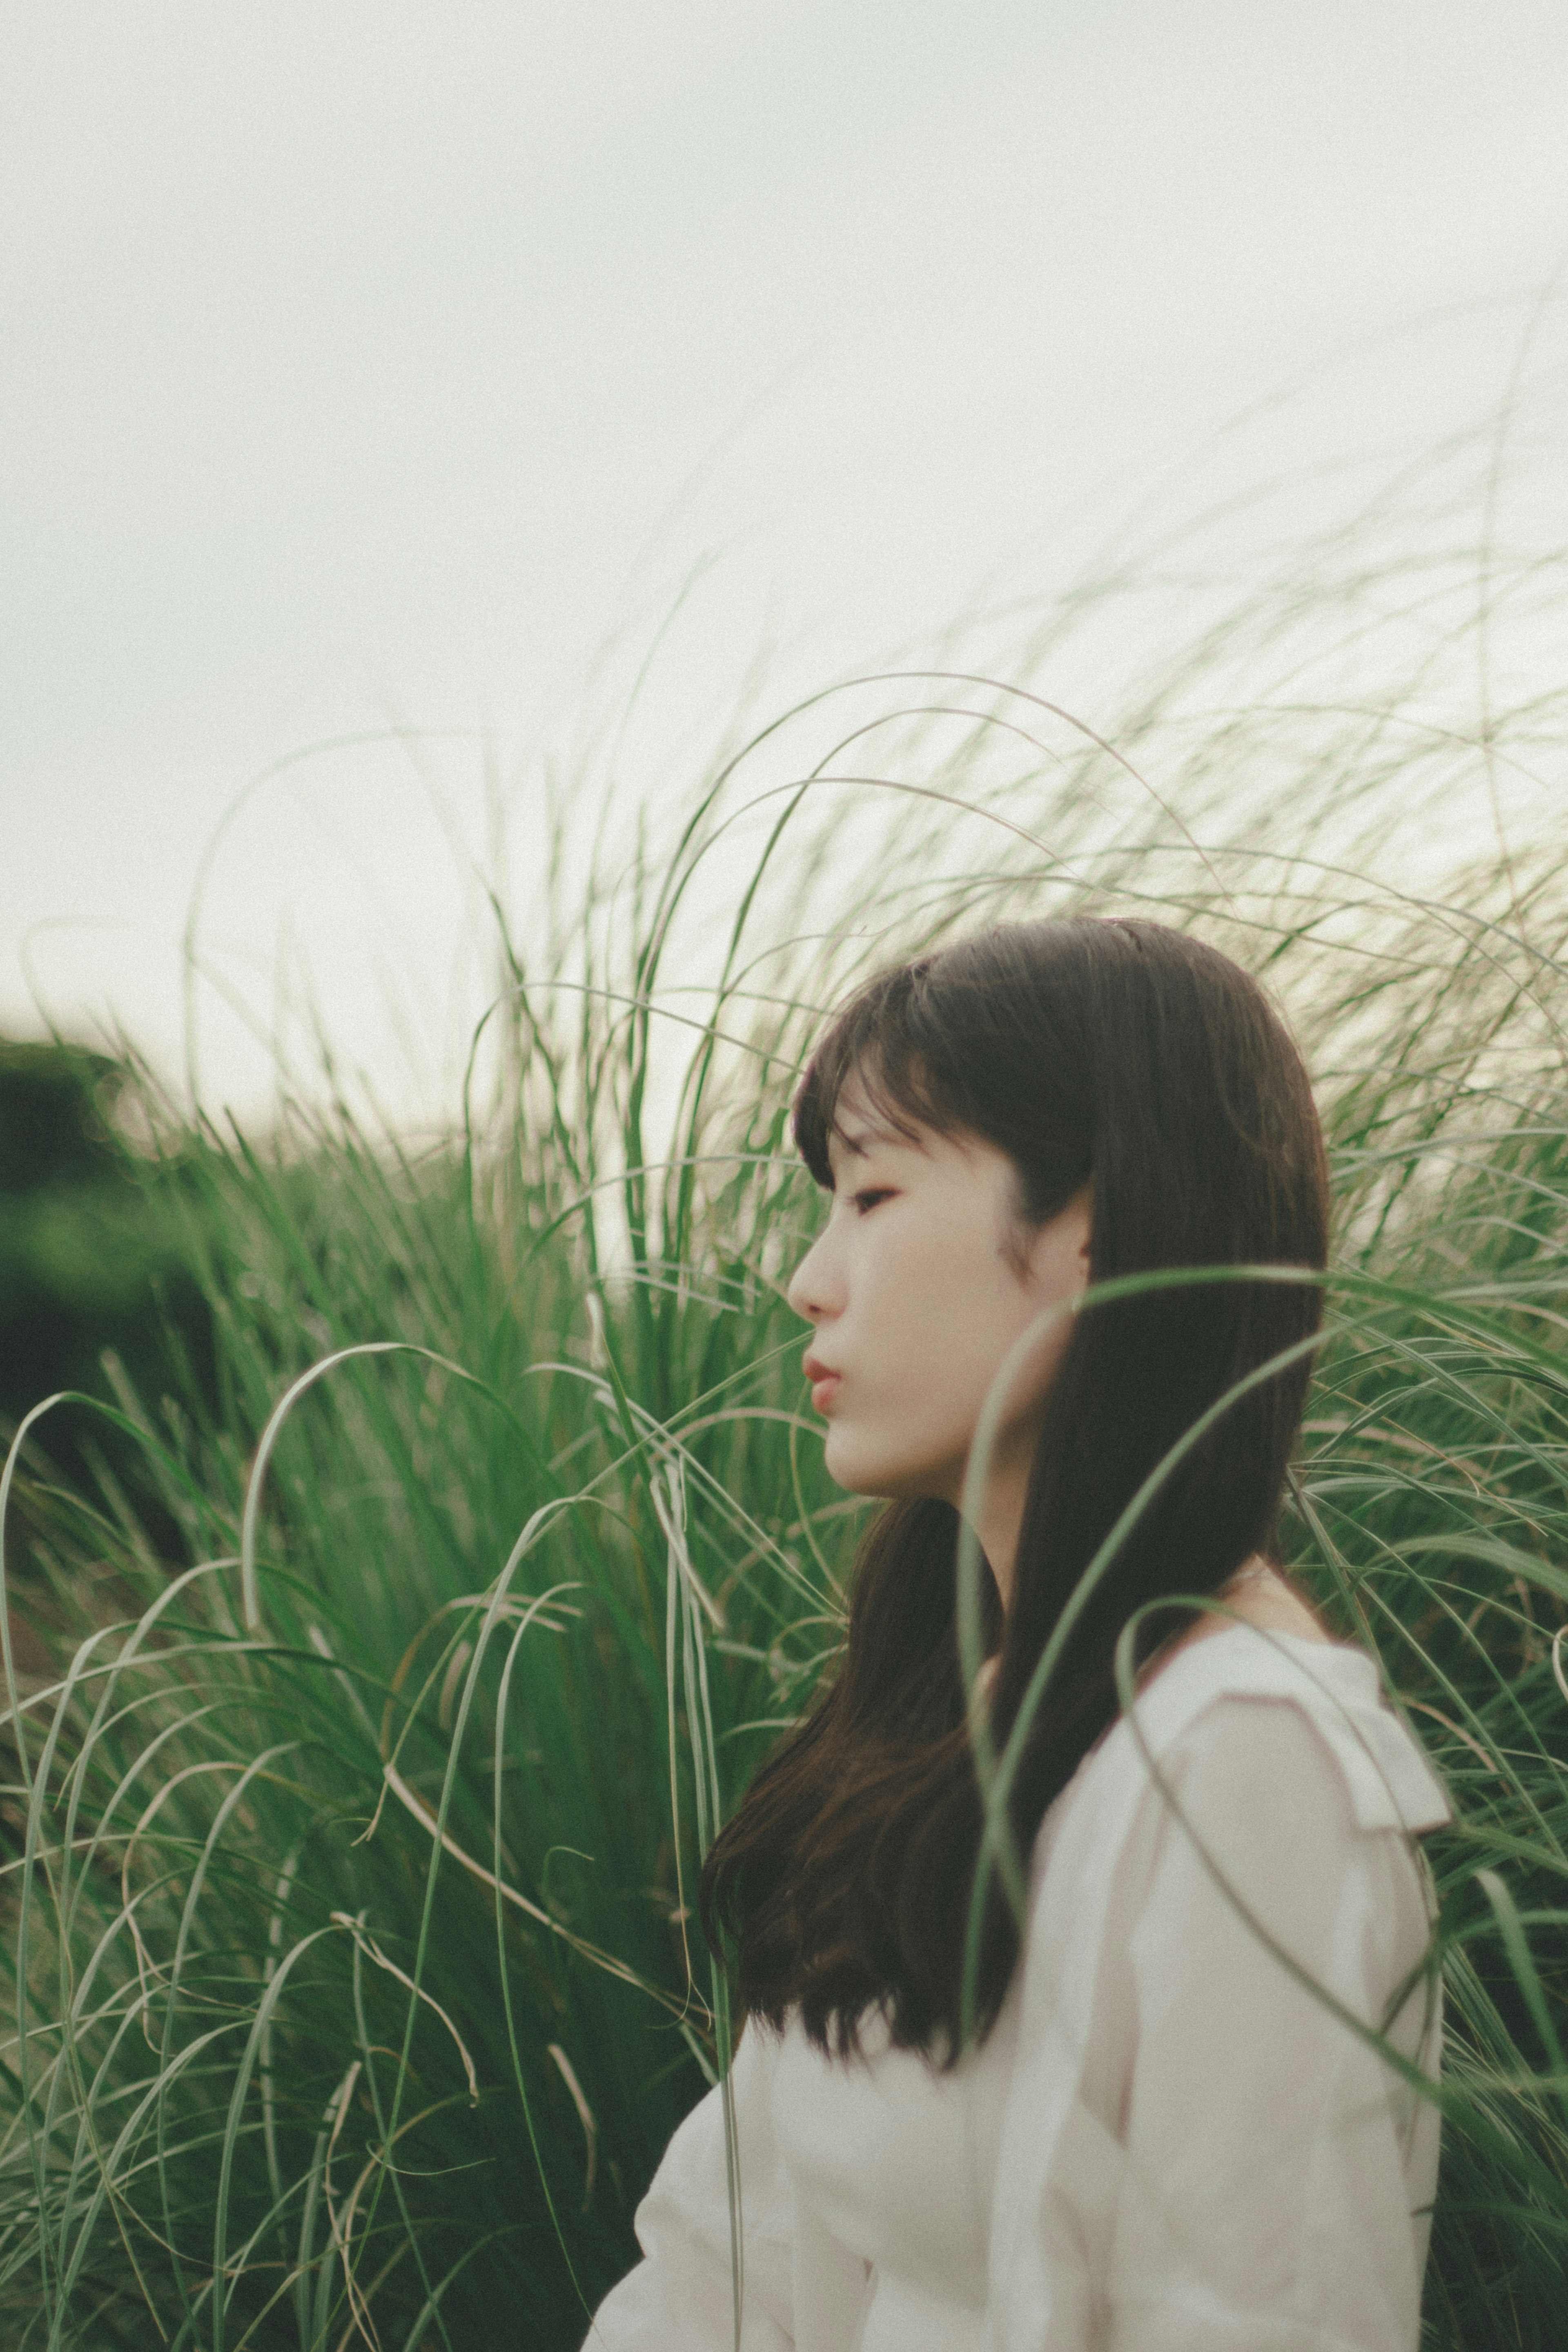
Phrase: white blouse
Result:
[1167,2143]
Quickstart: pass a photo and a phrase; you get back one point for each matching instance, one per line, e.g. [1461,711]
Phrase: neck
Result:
[998,1522]
[1256,1592]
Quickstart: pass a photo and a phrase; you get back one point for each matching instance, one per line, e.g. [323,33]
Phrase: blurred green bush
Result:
[99,1293]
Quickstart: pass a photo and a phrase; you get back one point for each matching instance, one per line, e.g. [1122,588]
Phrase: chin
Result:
[865,1470]
[852,1467]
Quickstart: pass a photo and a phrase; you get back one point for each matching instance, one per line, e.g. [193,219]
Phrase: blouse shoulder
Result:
[1388,1781]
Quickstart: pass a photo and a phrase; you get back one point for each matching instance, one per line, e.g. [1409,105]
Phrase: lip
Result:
[824,1383]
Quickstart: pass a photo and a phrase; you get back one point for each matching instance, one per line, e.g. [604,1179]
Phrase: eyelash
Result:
[865,1202]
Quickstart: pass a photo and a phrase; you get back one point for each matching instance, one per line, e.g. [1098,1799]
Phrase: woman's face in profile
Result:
[921,1281]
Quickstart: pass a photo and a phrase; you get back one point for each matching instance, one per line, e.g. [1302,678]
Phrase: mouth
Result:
[824,1383]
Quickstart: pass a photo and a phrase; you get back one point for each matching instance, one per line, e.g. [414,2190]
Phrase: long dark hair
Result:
[1132,1058]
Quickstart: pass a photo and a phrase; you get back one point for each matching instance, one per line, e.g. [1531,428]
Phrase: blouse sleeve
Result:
[680,2297]
[1265,2200]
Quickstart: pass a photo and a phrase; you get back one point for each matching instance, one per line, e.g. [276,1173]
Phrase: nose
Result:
[811,1287]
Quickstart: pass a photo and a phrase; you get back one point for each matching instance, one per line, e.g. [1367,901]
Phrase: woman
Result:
[1139,2093]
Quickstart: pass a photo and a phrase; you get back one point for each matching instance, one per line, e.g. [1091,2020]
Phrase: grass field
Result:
[354,1987]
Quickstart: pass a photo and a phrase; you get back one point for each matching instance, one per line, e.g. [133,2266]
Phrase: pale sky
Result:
[372,364]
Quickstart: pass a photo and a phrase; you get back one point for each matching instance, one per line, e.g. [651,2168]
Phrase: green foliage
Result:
[353,1840]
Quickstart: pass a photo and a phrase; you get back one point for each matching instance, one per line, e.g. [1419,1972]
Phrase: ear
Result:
[1080,1209]
[1059,1251]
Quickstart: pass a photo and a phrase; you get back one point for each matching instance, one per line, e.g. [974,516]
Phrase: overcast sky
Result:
[373,362]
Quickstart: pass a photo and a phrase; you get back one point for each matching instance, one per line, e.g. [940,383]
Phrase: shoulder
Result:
[1248,1704]
[1254,1743]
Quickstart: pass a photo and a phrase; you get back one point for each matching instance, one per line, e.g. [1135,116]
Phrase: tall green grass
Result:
[354,1982]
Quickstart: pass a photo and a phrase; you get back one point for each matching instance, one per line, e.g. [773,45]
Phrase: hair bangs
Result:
[876,1043]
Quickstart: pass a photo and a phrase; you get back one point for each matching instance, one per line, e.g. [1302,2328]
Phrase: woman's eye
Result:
[863,1202]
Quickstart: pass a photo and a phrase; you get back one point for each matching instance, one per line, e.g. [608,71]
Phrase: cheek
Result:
[980,1310]
[924,1314]
[938,1324]
[932,1306]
